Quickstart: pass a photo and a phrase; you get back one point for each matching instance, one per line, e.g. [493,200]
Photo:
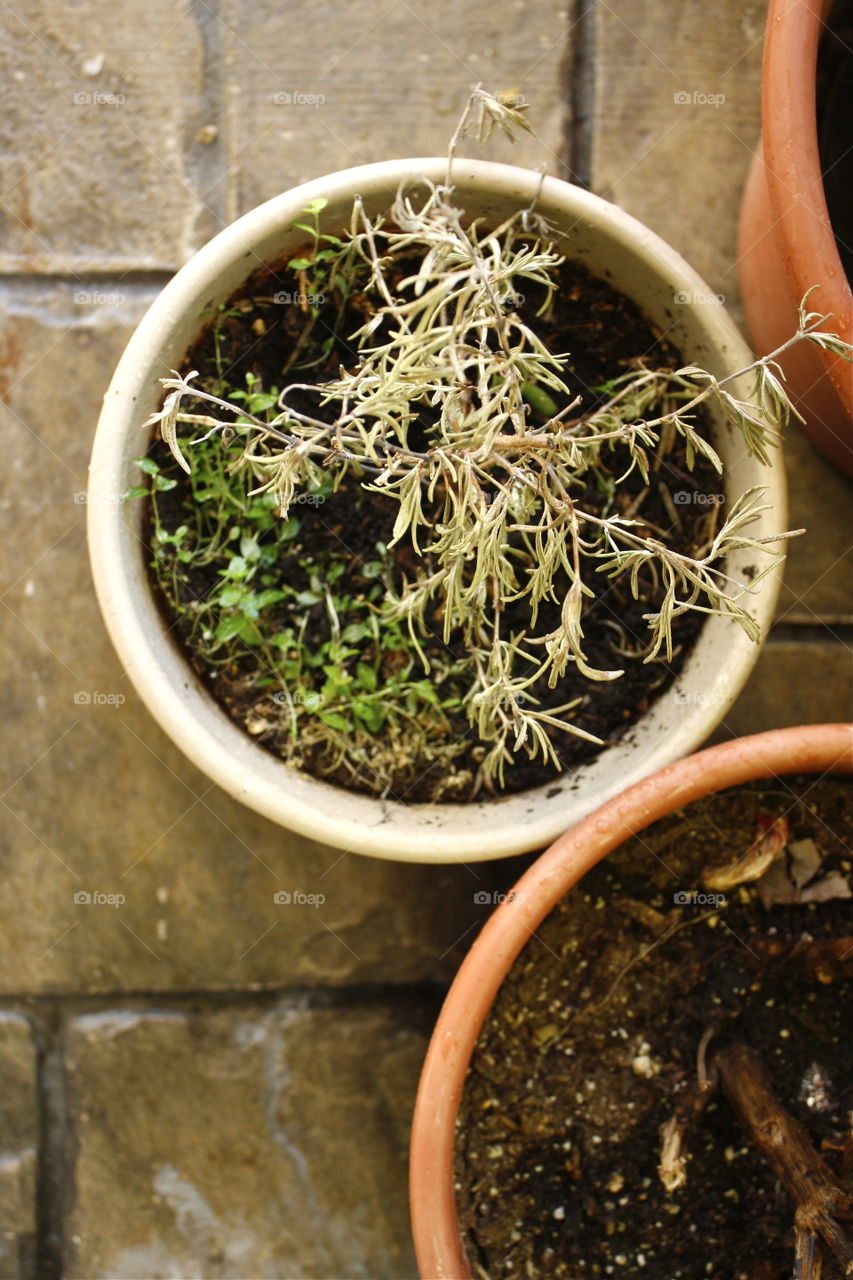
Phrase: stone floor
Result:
[194,1083]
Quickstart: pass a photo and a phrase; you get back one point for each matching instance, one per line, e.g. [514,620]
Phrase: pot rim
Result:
[428,833]
[825,748]
[792,158]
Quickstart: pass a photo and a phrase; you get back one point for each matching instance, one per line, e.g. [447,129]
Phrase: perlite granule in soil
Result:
[594,1037]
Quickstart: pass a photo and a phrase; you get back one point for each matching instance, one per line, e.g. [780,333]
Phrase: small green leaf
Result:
[354,632]
[260,401]
[426,691]
[237,568]
[235,626]
[231,596]
[336,721]
[337,681]
[265,598]
[283,639]
[366,676]
[288,529]
[539,400]
[369,713]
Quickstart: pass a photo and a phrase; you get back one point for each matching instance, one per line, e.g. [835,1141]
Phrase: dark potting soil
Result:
[593,1039]
[606,334]
[835,125]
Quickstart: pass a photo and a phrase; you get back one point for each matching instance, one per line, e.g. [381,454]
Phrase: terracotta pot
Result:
[613,245]
[810,749]
[786,243]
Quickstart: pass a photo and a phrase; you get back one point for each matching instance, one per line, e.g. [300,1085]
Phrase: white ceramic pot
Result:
[612,245]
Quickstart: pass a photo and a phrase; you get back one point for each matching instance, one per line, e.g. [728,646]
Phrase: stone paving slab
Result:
[818,580]
[794,682]
[384,79]
[19,1140]
[676,119]
[141,876]
[102,165]
[171,885]
[232,1144]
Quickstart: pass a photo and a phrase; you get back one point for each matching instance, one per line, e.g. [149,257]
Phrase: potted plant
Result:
[787,242]
[761,871]
[469,431]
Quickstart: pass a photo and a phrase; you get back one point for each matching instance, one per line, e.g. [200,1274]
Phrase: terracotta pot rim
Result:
[804,749]
[792,157]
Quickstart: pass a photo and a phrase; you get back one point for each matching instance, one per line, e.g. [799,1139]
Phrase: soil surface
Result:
[605,334]
[593,1040]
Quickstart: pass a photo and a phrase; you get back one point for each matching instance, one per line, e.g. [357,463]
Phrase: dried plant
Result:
[442,412]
